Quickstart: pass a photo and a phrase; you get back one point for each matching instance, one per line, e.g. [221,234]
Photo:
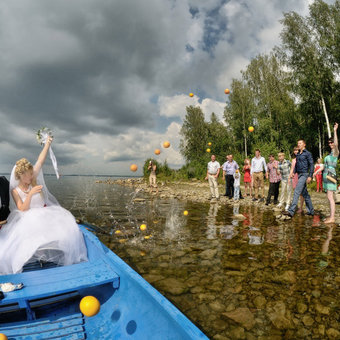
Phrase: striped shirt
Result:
[284,169]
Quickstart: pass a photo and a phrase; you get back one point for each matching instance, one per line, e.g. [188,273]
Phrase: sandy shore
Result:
[198,191]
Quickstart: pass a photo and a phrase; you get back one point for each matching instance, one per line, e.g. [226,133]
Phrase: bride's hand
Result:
[49,140]
[36,189]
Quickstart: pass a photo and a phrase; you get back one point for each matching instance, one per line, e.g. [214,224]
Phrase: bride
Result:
[38,228]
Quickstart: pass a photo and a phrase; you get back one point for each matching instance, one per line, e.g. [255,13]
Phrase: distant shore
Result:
[198,191]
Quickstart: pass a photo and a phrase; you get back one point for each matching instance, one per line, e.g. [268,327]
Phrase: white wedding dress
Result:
[44,233]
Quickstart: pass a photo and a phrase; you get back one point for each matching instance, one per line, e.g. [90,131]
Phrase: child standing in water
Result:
[247,177]
[318,174]
[237,179]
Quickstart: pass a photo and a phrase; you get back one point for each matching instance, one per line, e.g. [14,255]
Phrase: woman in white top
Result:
[38,228]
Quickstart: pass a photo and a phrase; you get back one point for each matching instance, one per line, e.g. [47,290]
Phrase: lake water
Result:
[254,278]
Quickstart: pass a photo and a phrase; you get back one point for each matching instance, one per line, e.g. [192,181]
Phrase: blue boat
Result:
[47,307]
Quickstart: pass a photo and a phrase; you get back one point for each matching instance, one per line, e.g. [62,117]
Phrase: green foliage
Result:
[280,94]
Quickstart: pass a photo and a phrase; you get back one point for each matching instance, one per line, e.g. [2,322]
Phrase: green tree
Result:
[306,49]
[239,114]
[194,134]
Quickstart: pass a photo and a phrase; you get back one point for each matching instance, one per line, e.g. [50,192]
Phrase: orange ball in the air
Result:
[133,167]
[251,129]
[191,94]
[157,151]
[226,91]
[166,144]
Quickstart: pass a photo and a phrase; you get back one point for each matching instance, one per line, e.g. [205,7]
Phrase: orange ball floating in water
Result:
[209,143]
[147,237]
[251,129]
[89,306]
[185,212]
[142,253]
[157,151]
[3,336]
[133,167]
[208,150]
[117,232]
[191,94]
[142,227]
[226,91]
[166,145]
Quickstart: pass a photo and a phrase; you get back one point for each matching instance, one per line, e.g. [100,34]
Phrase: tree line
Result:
[291,93]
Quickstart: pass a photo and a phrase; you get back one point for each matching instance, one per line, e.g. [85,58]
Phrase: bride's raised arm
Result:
[42,157]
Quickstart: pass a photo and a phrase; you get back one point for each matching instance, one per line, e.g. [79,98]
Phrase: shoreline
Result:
[198,191]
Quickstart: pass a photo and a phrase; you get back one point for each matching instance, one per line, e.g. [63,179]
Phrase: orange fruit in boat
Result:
[147,237]
[117,232]
[191,94]
[142,227]
[89,306]
[185,212]
[157,151]
[142,253]
[133,167]
[166,144]
[251,129]
[226,91]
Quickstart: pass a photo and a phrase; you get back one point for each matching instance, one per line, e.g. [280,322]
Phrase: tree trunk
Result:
[326,116]
[245,144]
[320,146]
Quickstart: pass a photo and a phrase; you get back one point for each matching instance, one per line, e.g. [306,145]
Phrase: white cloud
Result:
[91,71]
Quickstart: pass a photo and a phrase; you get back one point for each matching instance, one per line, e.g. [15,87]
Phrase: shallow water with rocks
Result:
[233,269]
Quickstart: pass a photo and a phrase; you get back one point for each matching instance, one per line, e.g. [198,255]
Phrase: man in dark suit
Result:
[4,199]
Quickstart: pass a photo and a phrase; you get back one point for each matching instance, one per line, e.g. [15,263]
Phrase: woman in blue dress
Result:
[330,169]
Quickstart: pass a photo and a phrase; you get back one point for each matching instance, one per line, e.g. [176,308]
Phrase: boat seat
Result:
[58,280]
[71,327]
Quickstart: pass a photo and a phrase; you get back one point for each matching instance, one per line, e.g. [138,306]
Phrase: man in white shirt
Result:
[213,171]
[258,164]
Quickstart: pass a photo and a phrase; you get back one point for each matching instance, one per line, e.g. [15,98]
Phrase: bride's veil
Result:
[48,197]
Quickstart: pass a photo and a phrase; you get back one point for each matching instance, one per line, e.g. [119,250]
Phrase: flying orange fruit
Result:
[251,129]
[157,151]
[166,144]
[133,167]
[226,91]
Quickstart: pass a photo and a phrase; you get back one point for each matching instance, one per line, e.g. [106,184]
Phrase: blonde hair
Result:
[281,154]
[247,161]
[22,166]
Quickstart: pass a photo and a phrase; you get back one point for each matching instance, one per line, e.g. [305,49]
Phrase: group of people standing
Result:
[292,175]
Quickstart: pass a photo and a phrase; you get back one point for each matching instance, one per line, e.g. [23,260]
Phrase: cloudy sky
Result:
[112,78]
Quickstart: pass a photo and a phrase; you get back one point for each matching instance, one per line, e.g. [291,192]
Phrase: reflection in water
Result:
[211,221]
[236,277]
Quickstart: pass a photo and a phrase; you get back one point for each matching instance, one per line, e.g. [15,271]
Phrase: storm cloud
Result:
[111,78]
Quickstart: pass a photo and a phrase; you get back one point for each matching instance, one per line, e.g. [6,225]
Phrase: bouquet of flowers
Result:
[42,136]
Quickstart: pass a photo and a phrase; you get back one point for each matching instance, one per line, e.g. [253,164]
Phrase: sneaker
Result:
[254,199]
[241,198]
[287,207]
[261,199]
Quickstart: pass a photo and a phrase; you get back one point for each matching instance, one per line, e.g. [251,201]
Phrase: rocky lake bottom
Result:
[232,268]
